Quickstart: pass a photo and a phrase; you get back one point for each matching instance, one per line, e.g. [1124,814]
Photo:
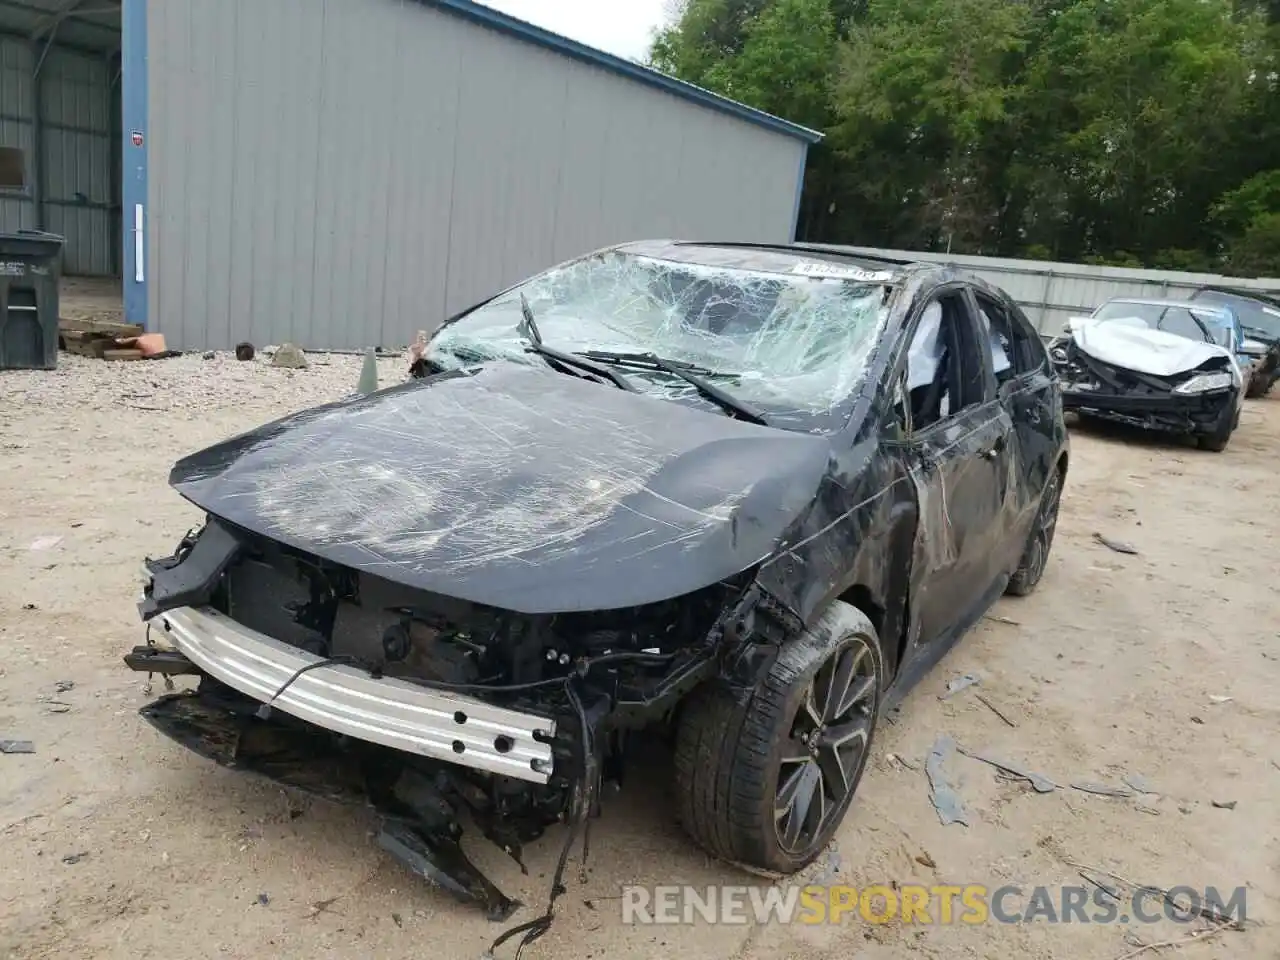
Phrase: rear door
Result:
[1025,388]
[959,441]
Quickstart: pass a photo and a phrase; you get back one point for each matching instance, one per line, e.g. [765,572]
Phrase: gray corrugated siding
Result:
[343,173]
[17,212]
[79,187]
[1049,293]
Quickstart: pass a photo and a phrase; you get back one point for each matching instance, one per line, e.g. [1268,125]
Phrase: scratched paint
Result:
[518,476]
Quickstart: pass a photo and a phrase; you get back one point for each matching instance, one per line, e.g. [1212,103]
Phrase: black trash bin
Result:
[30,268]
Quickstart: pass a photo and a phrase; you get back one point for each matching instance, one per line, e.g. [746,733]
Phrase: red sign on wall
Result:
[137,138]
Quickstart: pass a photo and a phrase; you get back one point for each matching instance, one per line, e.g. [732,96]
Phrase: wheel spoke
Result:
[787,788]
[857,728]
[796,800]
[839,753]
[811,706]
[859,691]
[841,677]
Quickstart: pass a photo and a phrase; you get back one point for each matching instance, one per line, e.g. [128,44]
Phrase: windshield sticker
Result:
[840,271]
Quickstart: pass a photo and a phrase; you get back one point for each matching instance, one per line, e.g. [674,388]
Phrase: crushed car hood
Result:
[517,488]
[1140,348]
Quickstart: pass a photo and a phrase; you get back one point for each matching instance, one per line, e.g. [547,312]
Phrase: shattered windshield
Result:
[786,342]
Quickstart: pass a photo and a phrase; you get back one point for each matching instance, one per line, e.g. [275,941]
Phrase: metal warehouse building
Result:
[342,173]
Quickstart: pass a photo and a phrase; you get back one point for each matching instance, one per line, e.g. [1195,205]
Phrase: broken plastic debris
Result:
[1215,698]
[958,684]
[45,543]
[944,797]
[1119,546]
[1225,804]
[1040,784]
[17,746]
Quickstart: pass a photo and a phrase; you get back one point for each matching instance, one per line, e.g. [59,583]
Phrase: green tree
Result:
[1137,102]
[1256,252]
[1106,130]
[923,93]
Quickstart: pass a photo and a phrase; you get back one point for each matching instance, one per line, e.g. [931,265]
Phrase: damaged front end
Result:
[359,689]
[1197,402]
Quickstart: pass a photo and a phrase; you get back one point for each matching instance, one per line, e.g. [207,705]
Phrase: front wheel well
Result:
[891,648]
[860,597]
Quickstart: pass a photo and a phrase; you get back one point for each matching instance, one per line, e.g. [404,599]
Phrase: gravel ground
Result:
[119,844]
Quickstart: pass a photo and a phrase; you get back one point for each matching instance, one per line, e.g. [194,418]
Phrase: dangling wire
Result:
[579,817]
[264,712]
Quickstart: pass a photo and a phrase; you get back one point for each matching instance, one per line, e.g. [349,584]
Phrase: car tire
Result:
[1258,387]
[1035,556]
[746,760]
[1217,441]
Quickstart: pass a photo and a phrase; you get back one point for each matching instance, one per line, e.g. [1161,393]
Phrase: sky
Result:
[621,27]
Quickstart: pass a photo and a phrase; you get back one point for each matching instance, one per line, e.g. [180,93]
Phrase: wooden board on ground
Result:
[86,344]
[107,327]
[121,354]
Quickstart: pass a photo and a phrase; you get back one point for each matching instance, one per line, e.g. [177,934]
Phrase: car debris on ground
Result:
[958,684]
[946,801]
[1118,546]
[1041,784]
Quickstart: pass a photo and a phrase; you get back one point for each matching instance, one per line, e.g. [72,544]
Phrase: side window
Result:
[1015,346]
[944,368]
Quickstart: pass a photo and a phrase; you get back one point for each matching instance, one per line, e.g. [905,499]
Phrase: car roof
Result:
[1259,297]
[774,257]
[1198,307]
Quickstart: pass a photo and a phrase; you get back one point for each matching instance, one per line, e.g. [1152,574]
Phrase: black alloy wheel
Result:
[827,747]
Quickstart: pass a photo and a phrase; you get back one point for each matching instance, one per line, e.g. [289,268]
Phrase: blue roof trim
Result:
[488,17]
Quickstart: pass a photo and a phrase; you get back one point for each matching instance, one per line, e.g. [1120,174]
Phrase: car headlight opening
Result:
[1204,382]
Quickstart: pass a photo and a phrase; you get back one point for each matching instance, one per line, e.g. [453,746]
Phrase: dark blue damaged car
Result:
[742,494]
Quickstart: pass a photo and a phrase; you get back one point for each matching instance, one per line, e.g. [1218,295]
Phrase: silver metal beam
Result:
[387,711]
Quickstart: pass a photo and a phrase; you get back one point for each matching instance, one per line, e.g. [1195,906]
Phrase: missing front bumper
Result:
[346,700]
[418,825]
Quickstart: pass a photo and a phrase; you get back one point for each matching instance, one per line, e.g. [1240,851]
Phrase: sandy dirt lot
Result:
[119,844]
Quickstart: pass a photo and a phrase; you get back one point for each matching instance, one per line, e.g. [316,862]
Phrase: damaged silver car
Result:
[1160,365]
[743,496]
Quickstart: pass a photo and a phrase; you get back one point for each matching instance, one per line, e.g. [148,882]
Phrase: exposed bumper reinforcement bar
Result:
[346,700]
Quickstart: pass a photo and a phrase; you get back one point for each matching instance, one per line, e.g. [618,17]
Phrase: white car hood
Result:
[1135,346]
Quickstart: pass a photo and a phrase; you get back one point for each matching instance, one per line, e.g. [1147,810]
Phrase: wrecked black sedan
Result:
[743,494]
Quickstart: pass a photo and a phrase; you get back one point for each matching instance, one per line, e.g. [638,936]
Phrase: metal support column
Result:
[133,163]
[37,136]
